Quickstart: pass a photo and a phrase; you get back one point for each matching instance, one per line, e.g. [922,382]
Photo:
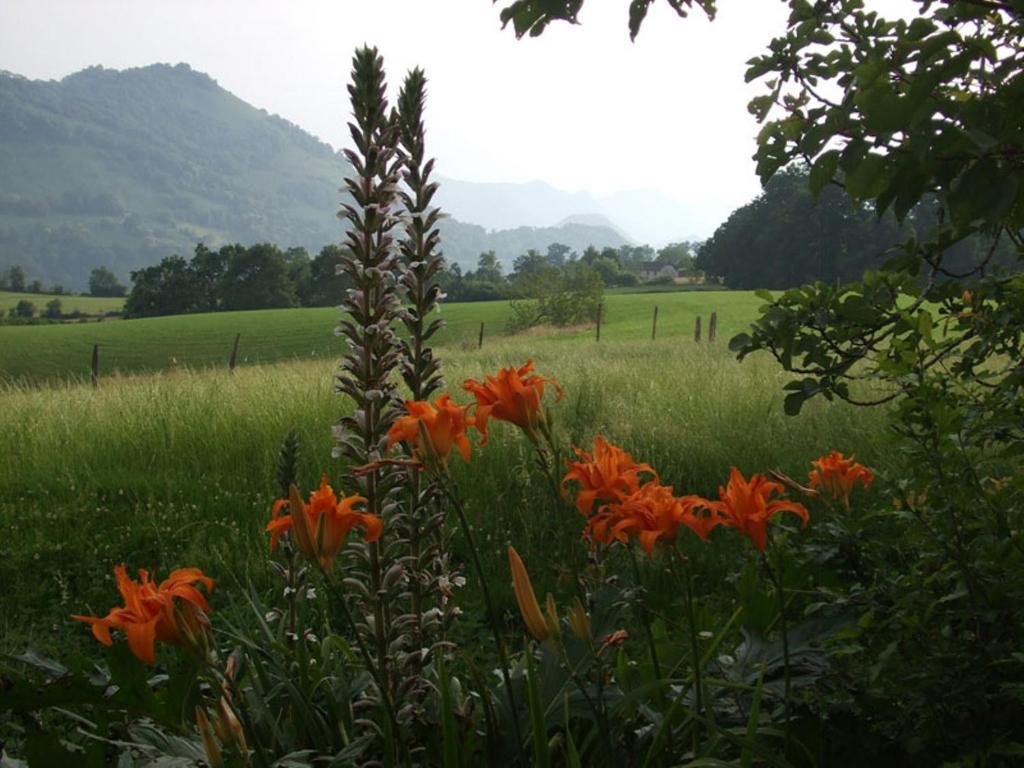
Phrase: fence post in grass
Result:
[696,330]
[95,365]
[712,327]
[654,324]
[234,354]
[600,311]
[480,340]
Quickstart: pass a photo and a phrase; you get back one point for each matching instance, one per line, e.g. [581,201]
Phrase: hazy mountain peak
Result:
[595,220]
[647,215]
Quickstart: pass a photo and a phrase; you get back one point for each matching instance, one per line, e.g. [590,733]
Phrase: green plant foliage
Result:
[916,118]
[556,296]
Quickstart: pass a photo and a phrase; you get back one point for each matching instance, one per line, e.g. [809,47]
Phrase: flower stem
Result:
[776,577]
[550,469]
[691,619]
[645,620]
[492,615]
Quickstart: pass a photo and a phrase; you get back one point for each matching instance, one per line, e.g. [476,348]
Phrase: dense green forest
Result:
[786,237]
[124,168]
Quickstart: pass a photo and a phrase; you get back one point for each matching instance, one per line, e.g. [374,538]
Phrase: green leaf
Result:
[793,403]
[747,757]
[868,178]
[637,14]
[823,171]
[983,193]
[572,754]
[449,730]
[541,753]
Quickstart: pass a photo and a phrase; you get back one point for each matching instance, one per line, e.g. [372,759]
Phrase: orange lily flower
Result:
[319,528]
[444,423]
[653,514]
[837,474]
[512,396]
[747,507]
[610,475]
[173,611]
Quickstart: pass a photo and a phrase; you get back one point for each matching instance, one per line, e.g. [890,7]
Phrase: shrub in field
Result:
[23,309]
[565,295]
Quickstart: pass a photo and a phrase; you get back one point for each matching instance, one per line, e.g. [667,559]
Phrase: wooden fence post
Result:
[696,330]
[95,365]
[654,324]
[600,311]
[480,340]
[712,327]
[234,354]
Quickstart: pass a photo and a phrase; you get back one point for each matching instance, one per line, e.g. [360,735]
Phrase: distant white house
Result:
[651,270]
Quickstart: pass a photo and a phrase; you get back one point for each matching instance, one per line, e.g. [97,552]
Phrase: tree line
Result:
[625,266]
[236,277]
[787,236]
[102,282]
[264,276]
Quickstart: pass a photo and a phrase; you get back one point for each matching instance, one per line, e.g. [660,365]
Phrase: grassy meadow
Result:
[87,305]
[176,467]
[49,353]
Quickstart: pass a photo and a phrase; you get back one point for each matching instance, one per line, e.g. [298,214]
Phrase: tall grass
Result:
[177,468]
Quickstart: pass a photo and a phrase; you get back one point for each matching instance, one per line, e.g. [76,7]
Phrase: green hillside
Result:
[125,167]
[57,352]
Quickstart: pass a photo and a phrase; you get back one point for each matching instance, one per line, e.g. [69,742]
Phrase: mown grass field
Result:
[61,352]
[177,468]
[89,305]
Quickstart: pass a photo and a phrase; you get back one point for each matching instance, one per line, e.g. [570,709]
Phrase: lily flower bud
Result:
[526,598]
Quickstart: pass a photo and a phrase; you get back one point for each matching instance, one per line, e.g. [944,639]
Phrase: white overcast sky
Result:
[581,107]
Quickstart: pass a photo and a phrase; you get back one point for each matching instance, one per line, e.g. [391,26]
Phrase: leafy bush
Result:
[23,309]
[561,296]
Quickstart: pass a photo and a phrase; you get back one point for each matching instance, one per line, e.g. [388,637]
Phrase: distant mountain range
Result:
[642,216]
[123,168]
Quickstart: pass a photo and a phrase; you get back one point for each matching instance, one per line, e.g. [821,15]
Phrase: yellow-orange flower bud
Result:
[579,622]
[210,745]
[228,727]
[551,619]
[527,600]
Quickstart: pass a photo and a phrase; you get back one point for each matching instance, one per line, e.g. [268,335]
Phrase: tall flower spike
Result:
[366,373]
[837,475]
[419,521]
[513,395]
[747,506]
[174,611]
[420,248]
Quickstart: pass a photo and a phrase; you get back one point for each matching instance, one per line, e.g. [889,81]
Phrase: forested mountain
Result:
[123,168]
